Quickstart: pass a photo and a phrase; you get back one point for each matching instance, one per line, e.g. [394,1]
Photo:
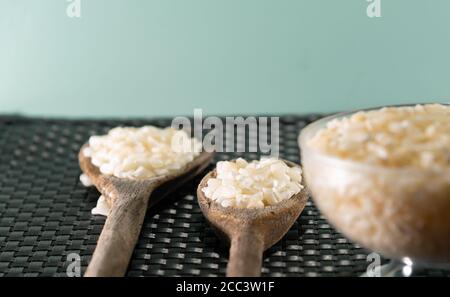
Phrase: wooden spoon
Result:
[250,231]
[128,200]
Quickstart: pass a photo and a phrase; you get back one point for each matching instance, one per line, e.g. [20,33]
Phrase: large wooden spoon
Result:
[128,200]
[250,231]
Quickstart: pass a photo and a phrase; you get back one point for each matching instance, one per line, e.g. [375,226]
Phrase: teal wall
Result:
[166,57]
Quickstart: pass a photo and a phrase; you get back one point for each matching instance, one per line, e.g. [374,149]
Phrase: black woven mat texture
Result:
[45,212]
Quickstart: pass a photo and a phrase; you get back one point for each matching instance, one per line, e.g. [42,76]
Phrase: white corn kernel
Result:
[253,185]
[85,180]
[411,136]
[140,153]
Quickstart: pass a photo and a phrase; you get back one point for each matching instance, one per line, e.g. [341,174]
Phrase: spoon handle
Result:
[246,253]
[119,235]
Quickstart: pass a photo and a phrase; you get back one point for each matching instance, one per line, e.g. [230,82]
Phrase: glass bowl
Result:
[402,213]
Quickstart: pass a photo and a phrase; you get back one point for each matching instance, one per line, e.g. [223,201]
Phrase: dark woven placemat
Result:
[45,212]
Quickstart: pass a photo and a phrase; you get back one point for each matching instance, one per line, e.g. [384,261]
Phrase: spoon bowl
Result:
[250,231]
[128,200]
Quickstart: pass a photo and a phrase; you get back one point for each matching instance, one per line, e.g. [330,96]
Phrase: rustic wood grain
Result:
[128,200]
[250,231]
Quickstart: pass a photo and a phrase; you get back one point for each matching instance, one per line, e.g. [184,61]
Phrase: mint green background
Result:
[148,58]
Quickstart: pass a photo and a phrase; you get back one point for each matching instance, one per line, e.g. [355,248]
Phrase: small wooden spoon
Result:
[128,199]
[250,231]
